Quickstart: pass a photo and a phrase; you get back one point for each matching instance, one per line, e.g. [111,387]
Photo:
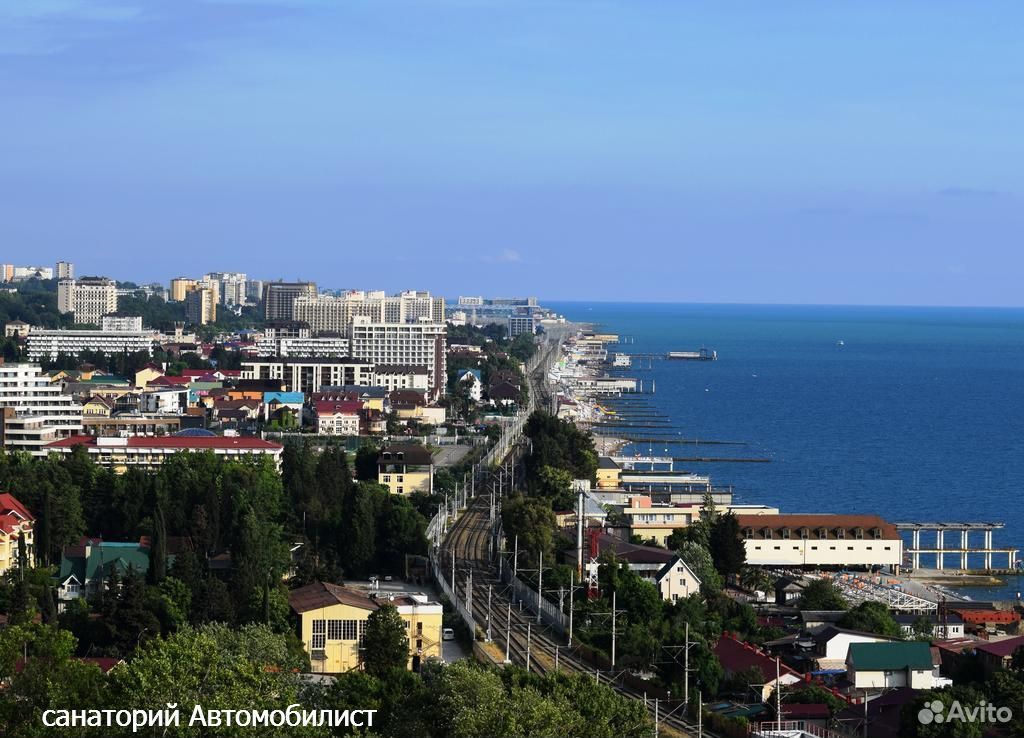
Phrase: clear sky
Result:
[822,152]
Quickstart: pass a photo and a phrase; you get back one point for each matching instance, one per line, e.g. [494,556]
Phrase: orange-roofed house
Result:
[15,522]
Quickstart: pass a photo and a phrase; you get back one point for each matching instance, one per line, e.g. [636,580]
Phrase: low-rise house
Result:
[337,418]
[891,664]
[832,644]
[661,567]
[406,468]
[332,622]
[275,402]
[166,400]
[472,379]
[16,524]
[735,656]
[947,627]
[651,521]
[608,473]
[503,394]
[998,655]
[97,406]
[85,566]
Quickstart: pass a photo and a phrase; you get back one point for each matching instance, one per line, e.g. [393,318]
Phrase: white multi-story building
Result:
[65,270]
[419,344]
[33,411]
[121,323]
[88,298]
[326,313]
[232,286]
[321,346]
[47,344]
[309,374]
[820,540]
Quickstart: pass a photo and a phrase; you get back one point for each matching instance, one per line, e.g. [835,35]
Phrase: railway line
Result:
[515,630]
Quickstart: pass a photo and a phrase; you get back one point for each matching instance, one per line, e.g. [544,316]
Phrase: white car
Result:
[447,634]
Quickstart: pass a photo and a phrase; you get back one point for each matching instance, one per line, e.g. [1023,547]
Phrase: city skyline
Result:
[792,154]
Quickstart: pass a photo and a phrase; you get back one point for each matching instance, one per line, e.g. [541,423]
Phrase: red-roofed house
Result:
[337,418]
[15,521]
[737,656]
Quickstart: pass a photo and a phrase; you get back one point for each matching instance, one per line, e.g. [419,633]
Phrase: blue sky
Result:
[578,149]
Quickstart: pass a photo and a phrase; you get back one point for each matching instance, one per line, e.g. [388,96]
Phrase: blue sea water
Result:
[918,416]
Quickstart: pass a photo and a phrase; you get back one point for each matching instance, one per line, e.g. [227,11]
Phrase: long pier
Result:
[939,529]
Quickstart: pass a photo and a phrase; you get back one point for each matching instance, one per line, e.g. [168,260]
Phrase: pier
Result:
[963,550]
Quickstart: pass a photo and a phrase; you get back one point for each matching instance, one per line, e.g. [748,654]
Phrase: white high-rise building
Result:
[34,411]
[419,344]
[65,270]
[89,298]
[326,313]
[49,344]
[231,285]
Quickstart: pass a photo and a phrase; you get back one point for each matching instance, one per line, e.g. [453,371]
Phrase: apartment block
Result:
[420,344]
[231,286]
[336,314]
[279,298]
[305,374]
[88,298]
[201,304]
[44,344]
[33,411]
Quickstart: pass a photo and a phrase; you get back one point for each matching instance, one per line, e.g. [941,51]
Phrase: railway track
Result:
[514,628]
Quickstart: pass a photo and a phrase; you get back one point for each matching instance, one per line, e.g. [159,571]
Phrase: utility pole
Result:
[778,697]
[528,646]
[613,630]
[508,630]
[515,555]
[489,586]
[579,535]
[453,573]
[556,658]
[700,714]
[469,592]
[540,586]
[686,669]
[571,598]
[655,717]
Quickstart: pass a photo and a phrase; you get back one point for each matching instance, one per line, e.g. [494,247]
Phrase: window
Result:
[342,630]
[814,548]
[849,548]
[419,627]
[778,547]
[319,629]
[888,548]
[831,548]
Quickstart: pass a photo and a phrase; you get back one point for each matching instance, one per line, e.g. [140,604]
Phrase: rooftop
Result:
[184,442]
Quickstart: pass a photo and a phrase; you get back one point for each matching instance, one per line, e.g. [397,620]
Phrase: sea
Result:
[915,414]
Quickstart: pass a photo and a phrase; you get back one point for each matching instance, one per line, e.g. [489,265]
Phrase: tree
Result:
[871,617]
[366,462]
[821,594]
[385,643]
[532,520]
[698,558]
[727,548]
[158,548]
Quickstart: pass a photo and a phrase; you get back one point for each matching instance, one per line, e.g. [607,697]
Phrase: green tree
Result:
[385,642]
[871,617]
[532,520]
[727,548]
[698,558]
[821,594]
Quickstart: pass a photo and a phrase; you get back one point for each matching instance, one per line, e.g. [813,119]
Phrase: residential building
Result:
[303,347]
[86,566]
[132,424]
[65,270]
[275,402]
[406,468]
[737,657]
[890,664]
[409,344]
[337,418]
[520,323]
[663,568]
[336,314]
[332,622]
[120,454]
[121,323]
[13,273]
[253,291]
[310,374]
[231,286]
[16,523]
[180,287]
[88,298]
[201,305]
[279,298]
[472,379]
[820,540]
[16,329]
[998,655]
[947,626]
[832,644]
[34,411]
[48,344]
[397,377]
[651,521]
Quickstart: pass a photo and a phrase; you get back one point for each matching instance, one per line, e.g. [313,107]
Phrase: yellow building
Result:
[609,475]
[147,374]
[97,407]
[405,468]
[650,521]
[15,521]
[180,286]
[332,621]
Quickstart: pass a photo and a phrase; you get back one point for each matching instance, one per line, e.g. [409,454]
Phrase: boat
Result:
[840,342]
[702,355]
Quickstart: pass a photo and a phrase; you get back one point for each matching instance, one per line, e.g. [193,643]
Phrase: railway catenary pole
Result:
[571,598]
[540,586]
[489,586]
[527,646]
[515,555]
[613,630]
[686,669]
[508,630]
